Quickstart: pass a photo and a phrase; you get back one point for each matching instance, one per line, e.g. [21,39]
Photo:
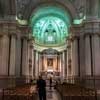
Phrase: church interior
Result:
[50,38]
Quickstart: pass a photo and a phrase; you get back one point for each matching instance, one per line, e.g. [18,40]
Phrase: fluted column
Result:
[96,54]
[88,55]
[75,57]
[25,68]
[4,55]
[12,55]
[18,69]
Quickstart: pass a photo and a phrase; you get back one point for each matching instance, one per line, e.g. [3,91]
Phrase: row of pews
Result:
[75,92]
[25,92]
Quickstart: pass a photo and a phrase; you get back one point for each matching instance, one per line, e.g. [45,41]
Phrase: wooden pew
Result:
[26,92]
[75,92]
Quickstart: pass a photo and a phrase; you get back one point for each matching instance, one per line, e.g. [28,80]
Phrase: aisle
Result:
[52,94]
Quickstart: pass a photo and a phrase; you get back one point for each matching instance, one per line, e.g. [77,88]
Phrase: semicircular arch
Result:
[65,4]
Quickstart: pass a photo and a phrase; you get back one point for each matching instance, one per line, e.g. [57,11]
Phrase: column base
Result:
[12,81]
[7,81]
[87,81]
[22,80]
[92,82]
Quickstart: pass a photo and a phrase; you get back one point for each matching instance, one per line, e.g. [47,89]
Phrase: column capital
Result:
[74,38]
[91,34]
[92,27]
[24,29]
[76,30]
[13,34]
[31,38]
[26,37]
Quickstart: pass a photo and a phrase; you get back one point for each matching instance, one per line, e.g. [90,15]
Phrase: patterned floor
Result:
[52,94]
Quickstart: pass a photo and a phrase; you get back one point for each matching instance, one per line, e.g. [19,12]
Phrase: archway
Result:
[50,27]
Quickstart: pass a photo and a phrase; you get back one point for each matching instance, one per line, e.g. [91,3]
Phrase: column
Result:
[30,58]
[55,64]
[87,55]
[68,58]
[0,50]
[42,59]
[96,54]
[36,65]
[61,63]
[65,63]
[25,68]
[39,66]
[33,62]
[81,50]
[32,49]
[58,63]
[18,66]
[4,55]
[12,55]
[40,63]
[75,57]
[34,69]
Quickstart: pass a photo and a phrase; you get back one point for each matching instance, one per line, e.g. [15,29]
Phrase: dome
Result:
[50,26]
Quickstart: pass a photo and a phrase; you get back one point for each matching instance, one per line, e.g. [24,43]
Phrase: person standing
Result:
[41,86]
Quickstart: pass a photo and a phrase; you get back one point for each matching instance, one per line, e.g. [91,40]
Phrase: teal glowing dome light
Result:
[50,26]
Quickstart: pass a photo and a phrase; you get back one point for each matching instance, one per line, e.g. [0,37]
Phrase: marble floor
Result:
[52,94]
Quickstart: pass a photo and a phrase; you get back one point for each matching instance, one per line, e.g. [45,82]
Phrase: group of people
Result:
[41,87]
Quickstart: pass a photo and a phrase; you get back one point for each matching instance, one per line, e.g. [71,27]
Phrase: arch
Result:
[65,4]
[57,18]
